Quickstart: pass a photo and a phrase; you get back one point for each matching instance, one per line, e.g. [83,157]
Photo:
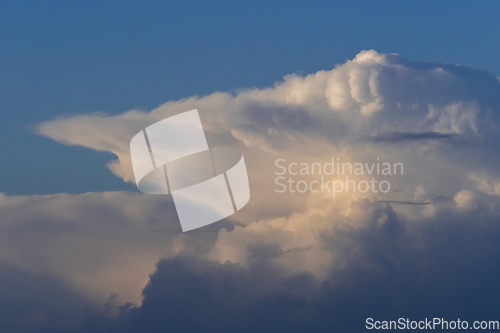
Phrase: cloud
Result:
[373,94]
[33,300]
[95,243]
[387,269]
[290,261]
[401,137]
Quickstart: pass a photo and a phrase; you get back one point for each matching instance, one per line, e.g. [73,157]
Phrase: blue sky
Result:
[61,58]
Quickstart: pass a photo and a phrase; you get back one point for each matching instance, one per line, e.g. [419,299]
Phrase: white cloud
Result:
[464,199]
[369,95]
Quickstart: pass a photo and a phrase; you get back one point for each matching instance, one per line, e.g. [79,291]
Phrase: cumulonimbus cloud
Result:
[440,120]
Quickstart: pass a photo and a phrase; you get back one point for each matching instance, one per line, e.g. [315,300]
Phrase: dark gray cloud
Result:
[395,137]
[37,302]
[389,269]
[403,202]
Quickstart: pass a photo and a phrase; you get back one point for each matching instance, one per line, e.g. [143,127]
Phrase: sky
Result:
[415,83]
[62,58]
